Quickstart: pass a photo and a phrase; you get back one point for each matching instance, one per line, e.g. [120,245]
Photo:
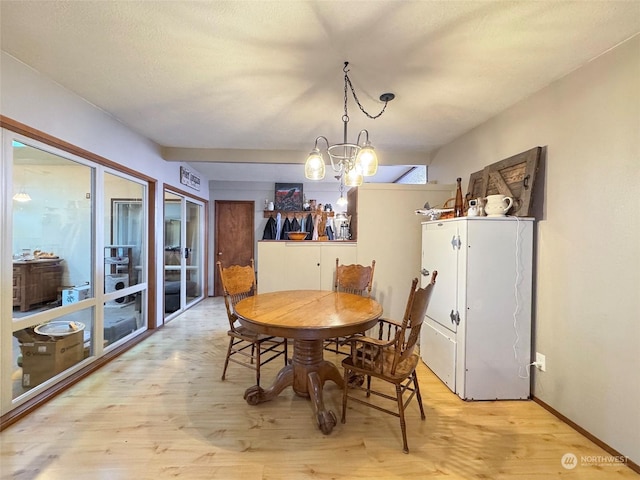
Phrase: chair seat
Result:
[248,335]
[403,369]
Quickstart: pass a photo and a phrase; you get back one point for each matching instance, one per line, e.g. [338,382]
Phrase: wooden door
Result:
[234,235]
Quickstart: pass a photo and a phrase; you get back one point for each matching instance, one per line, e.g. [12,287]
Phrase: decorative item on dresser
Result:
[512,177]
[36,281]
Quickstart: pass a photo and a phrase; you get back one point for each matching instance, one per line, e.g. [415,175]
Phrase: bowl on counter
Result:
[297,235]
[59,328]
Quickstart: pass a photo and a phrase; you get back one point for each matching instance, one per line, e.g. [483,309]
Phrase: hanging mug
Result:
[497,205]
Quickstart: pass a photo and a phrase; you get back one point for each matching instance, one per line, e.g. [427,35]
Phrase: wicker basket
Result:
[450,203]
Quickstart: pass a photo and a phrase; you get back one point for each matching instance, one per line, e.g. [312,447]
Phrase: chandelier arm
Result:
[335,168]
[321,137]
[366,135]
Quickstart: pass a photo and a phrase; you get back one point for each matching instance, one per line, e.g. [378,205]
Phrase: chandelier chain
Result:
[347,81]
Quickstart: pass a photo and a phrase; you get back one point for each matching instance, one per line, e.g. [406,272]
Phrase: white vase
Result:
[497,205]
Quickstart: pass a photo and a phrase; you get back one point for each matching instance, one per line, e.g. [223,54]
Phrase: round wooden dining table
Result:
[308,317]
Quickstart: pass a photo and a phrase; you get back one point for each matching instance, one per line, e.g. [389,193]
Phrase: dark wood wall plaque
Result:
[476,186]
[513,176]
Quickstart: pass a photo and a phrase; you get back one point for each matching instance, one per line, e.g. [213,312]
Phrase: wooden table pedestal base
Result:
[306,374]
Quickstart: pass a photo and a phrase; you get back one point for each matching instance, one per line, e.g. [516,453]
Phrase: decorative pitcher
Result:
[497,205]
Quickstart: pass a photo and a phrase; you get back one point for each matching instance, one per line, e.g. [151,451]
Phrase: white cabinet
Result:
[301,265]
[477,334]
[388,231]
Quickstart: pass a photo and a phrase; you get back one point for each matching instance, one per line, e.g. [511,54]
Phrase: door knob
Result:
[219,253]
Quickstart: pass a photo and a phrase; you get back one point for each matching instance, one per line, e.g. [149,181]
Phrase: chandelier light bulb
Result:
[314,166]
[367,160]
[353,178]
[342,201]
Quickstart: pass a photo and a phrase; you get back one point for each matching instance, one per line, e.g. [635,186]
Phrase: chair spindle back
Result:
[356,279]
[238,282]
[407,336]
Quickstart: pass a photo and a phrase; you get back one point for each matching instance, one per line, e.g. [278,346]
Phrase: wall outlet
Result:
[541,362]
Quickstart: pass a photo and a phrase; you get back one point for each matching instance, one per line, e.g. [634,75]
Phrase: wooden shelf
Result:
[119,260]
[271,213]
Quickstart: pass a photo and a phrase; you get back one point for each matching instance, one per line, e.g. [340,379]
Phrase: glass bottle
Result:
[458,208]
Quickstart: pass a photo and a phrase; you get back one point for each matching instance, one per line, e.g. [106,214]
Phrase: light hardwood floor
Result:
[161,411]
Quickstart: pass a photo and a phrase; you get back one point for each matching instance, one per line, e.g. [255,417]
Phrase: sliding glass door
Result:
[74,264]
[183,252]
[125,253]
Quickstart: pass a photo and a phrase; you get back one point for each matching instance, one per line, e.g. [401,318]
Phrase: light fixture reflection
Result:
[342,201]
[22,197]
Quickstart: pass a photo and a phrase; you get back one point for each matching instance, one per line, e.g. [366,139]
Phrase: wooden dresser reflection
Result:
[36,281]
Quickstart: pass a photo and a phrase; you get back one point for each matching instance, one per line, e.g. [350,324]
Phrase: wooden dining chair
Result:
[392,361]
[356,279]
[246,348]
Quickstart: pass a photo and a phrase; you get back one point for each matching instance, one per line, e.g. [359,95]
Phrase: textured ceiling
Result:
[225,80]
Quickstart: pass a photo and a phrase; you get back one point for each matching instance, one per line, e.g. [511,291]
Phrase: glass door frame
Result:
[12,132]
[185,253]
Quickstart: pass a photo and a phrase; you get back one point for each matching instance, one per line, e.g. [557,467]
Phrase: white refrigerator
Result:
[477,333]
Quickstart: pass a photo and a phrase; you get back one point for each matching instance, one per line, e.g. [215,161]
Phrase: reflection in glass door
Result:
[52,323]
[193,251]
[183,252]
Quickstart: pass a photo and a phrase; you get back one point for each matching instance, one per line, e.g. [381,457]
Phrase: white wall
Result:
[390,232]
[587,319]
[32,99]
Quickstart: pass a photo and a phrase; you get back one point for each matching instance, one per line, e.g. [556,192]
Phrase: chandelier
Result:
[351,161]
